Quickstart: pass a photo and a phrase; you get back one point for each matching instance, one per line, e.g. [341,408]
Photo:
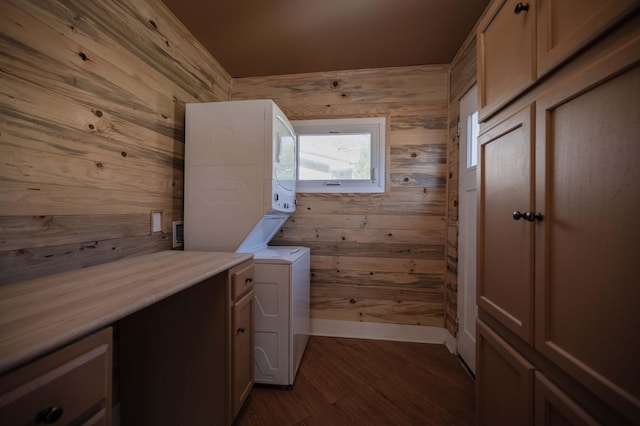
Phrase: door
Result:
[467,218]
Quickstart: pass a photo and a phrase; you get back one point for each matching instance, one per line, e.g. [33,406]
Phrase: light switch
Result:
[156,221]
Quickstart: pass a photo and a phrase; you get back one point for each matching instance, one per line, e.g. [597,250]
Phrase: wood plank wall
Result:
[375,258]
[92,97]
[462,78]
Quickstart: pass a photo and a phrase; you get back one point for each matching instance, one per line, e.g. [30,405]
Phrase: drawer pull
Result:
[248,280]
[521,8]
[49,415]
[517,215]
[241,330]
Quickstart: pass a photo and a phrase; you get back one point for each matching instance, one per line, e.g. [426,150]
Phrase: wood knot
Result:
[414,155]
[91,126]
[99,165]
[123,153]
[83,56]
[406,179]
[153,24]
[352,301]
[98,113]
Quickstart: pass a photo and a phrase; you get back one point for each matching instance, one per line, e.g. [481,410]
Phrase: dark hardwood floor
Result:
[368,382]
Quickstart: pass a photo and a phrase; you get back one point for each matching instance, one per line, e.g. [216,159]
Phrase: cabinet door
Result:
[565,26]
[506,53]
[504,382]
[588,188]
[553,407]
[505,244]
[242,354]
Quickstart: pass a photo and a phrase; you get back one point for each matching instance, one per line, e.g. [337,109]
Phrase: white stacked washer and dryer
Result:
[240,164]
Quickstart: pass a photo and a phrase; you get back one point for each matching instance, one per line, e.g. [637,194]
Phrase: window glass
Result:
[335,156]
[342,155]
[473,129]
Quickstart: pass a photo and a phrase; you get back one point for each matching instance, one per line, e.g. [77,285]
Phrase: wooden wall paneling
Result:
[369,89]
[92,96]
[42,231]
[375,257]
[28,263]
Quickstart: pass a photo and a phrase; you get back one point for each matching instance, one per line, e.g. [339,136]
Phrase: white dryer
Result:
[281,328]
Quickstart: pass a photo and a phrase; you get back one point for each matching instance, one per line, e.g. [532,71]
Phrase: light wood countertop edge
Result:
[40,315]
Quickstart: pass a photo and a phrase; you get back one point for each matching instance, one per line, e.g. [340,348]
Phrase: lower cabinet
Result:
[553,407]
[242,351]
[69,386]
[504,381]
[201,343]
[241,299]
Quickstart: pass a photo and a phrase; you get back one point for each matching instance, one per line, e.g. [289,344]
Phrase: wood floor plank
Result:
[368,382]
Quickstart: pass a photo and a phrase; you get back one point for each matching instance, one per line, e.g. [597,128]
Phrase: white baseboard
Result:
[450,342]
[378,331]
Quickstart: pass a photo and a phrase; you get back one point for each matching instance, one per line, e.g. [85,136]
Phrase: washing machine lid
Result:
[279,254]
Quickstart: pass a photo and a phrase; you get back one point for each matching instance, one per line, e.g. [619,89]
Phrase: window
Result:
[341,155]
[473,129]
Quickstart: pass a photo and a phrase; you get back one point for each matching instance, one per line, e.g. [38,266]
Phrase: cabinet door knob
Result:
[531,216]
[241,330]
[517,215]
[248,280]
[49,415]
[521,8]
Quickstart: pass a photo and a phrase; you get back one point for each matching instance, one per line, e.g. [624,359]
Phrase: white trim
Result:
[450,342]
[378,331]
[376,126]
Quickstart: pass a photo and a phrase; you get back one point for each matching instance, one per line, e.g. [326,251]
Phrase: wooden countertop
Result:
[40,315]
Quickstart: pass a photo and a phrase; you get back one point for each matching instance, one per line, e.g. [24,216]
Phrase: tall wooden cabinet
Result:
[559,174]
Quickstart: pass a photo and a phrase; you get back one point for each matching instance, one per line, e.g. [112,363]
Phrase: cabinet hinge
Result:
[455,328]
[458,129]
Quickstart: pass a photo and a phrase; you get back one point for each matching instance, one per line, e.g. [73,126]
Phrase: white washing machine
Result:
[281,329]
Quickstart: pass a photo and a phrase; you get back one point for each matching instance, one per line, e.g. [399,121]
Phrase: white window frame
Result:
[377,126]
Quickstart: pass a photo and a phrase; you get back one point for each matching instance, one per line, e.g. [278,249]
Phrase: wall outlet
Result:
[178,234]
[156,221]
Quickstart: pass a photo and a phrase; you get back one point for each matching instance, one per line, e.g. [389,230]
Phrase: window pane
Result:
[472,140]
[335,157]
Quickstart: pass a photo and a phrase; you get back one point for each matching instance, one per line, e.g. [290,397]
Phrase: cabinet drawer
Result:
[241,279]
[73,383]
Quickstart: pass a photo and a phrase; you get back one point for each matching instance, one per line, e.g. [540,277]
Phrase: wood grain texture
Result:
[368,382]
[374,257]
[38,315]
[92,99]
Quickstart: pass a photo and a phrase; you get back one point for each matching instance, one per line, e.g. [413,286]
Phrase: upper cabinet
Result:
[565,26]
[506,53]
[519,42]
